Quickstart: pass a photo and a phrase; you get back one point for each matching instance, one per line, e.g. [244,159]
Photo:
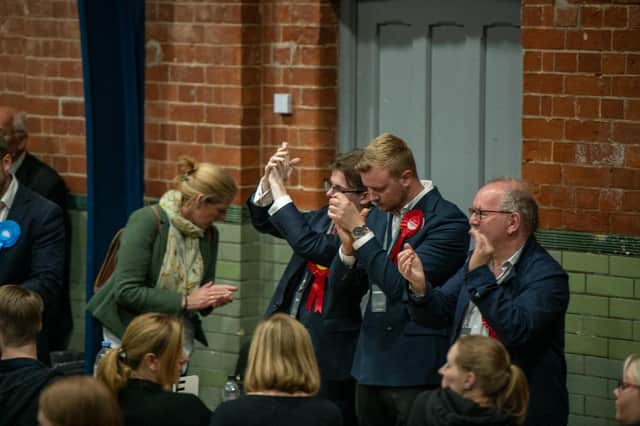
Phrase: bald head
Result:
[14,128]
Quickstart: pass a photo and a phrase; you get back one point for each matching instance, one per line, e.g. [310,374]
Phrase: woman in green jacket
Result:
[167,258]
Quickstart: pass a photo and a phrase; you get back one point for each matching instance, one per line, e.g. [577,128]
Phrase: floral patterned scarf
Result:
[182,267]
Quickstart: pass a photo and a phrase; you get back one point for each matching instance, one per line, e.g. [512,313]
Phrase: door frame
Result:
[347,64]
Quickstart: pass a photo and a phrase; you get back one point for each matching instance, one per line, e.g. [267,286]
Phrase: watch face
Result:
[359,231]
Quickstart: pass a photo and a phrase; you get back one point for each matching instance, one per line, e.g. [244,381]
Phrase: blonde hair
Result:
[158,334]
[389,152]
[632,366]
[20,315]
[79,401]
[211,181]
[496,377]
[281,358]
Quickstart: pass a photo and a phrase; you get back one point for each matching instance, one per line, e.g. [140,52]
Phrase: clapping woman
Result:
[167,256]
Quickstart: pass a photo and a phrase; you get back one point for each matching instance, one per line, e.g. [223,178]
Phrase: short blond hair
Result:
[389,152]
[159,334]
[632,366]
[20,315]
[79,401]
[217,186]
[281,358]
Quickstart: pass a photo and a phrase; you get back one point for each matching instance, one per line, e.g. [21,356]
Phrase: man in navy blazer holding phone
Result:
[395,358]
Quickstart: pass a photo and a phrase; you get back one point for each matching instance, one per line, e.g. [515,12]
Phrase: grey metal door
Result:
[446,76]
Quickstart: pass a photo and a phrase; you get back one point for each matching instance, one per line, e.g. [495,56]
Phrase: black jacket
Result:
[145,403]
[443,407]
[21,380]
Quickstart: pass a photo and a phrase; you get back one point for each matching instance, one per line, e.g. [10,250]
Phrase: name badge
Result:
[378,299]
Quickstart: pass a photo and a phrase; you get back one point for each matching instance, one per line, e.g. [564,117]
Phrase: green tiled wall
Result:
[77,283]
[603,320]
[603,327]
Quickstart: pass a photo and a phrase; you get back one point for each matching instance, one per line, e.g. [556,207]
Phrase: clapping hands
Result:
[210,295]
[410,267]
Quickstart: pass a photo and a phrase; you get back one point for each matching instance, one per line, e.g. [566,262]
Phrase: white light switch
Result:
[282,103]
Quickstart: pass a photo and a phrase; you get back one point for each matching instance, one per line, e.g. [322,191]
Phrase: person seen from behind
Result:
[22,376]
[143,369]
[78,401]
[281,381]
[480,386]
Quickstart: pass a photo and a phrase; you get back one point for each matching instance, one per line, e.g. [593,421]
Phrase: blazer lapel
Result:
[20,206]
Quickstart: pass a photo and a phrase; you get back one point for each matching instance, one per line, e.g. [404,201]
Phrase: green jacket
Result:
[131,290]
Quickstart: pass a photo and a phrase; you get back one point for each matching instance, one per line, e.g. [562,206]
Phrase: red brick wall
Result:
[581,107]
[41,73]
[211,74]
[213,68]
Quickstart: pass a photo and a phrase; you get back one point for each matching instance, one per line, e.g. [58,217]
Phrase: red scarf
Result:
[320,274]
[411,223]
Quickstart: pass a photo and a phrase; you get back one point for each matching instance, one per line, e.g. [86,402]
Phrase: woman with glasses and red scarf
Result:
[628,392]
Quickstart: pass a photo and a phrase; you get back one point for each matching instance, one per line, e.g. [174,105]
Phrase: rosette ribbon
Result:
[410,224]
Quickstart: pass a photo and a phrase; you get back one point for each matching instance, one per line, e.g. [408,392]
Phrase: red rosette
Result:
[411,223]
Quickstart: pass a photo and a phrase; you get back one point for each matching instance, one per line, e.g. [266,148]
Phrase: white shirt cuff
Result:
[279,203]
[346,259]
[262,199]
[363,240]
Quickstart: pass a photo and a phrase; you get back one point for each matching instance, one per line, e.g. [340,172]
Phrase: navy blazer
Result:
[393,350]
[43,179]
[334,332]
[36,261]
[527,313]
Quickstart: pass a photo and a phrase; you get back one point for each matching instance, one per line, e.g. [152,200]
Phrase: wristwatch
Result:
[359,231]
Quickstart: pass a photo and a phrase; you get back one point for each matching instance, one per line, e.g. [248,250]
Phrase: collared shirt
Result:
[17,163]
[6,201]
[395,225]
[472,322]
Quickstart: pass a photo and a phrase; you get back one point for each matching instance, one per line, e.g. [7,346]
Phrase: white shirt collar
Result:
[8,197]
[508,265]
[427,186]
[17,163]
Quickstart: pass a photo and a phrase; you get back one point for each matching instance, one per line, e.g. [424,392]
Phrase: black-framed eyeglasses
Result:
[480,213]
[622,385]
[328,186]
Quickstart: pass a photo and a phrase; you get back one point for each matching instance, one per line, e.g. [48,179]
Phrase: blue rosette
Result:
[9,233]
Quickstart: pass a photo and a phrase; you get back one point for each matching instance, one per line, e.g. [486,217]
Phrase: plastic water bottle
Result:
[231,389]
[104,348]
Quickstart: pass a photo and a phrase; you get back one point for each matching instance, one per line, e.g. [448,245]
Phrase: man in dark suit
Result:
[38,176]
[510,289]
[395,358]
[36,259]
[303,290]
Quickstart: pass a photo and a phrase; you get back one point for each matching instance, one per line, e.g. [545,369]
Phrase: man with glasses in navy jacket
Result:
[510,288]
